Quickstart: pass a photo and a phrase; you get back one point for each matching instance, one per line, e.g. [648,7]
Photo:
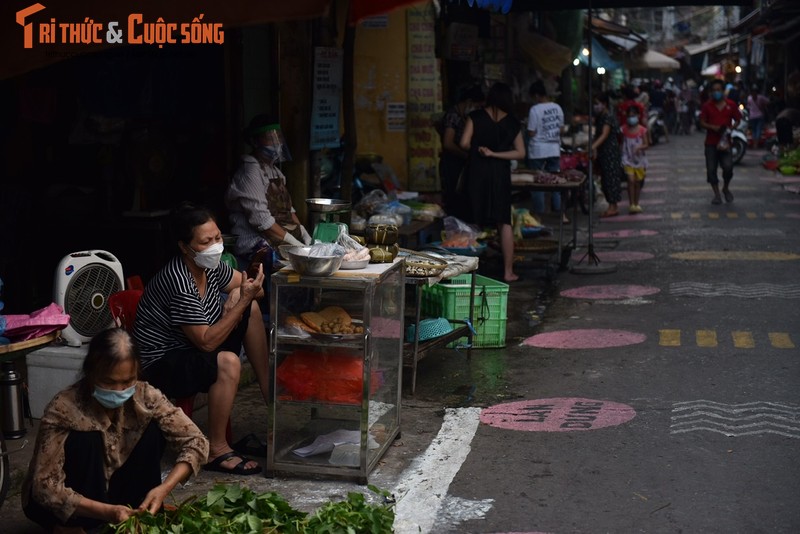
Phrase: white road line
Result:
[423,487]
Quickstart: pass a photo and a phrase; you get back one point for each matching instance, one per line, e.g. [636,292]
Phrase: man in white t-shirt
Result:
[545,120]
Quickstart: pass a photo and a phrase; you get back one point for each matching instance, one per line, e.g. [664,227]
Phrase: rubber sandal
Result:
[728,196]
[238,469]
[607,214]
[250,444]
[716,201]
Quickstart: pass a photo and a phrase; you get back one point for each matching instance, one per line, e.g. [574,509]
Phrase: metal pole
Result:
[592,261]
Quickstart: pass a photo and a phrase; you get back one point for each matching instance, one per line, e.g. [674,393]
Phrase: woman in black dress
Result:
[493,137]
[605,149]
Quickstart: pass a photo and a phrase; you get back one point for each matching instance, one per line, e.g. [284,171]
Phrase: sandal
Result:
[250,444]
[609,213]
[238,469]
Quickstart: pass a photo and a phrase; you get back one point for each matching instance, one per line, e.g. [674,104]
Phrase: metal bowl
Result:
[307,265]
[327,205]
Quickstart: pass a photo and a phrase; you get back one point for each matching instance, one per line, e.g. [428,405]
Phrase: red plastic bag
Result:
[333,376]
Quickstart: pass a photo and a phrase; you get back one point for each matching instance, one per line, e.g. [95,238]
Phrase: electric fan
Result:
[83,283]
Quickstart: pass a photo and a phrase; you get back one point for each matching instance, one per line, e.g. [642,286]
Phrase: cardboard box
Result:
[51,369]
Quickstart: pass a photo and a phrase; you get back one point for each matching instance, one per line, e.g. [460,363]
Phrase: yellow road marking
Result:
[706,338]
[750,255]
[769,215]
[694,215]
[733,215]
[677,215]
[713,215]
[781,340]
[743,340]
[751,215]
[669,338]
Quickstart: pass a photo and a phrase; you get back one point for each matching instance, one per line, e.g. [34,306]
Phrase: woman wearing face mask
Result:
[605,149]
[97,457]
[258,200]
[717,115]
[191,323]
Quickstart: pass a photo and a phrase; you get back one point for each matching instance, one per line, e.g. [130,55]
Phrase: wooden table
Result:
[14,351]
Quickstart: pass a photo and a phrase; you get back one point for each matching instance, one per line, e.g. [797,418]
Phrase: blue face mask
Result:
[716,95]
[112,398]
[633,121]
[273,154]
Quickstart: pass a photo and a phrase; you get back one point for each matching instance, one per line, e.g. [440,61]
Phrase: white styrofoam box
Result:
[51,369]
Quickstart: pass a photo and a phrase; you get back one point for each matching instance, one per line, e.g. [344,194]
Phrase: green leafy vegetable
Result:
[234,509]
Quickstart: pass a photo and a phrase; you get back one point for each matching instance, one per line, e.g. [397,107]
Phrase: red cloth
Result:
[715,116]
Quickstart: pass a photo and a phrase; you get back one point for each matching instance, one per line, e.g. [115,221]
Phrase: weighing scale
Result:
[325,217]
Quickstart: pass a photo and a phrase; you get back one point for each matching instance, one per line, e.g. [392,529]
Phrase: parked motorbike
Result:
[656,125]
[739,137]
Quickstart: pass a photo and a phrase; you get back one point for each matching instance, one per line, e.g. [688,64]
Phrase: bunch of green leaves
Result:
[234,509]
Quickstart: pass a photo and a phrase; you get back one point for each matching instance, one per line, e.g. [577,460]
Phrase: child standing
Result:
[634,159]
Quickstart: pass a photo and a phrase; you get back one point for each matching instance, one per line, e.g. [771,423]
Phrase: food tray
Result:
[421,264]
[354,265]
[340,337]
[465,251]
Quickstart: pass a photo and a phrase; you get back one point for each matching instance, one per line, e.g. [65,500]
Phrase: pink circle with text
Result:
[623,255]
[559,414]
[611,234]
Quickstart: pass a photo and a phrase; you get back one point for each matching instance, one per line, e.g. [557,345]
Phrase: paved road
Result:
[660,397]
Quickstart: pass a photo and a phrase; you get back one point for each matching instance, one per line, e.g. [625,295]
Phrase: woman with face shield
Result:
[258,200]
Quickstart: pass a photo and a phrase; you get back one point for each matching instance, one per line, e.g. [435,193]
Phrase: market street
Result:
[660,397]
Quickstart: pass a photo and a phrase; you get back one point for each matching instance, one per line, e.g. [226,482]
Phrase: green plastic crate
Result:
[450,299]
[488,334]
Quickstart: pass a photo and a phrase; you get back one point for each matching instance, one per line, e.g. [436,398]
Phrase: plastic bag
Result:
[354,251]
[370,202]
[333,376]
[396,208]
[325,250]
[459,234]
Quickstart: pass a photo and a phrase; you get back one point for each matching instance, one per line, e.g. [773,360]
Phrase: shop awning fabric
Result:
[600,57]
[652,60]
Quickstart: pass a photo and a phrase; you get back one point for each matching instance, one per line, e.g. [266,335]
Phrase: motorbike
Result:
[656,125]
[739,137]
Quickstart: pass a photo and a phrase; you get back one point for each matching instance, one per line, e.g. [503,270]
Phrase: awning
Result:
[652,60]
[600,57]
[694,49]
[548,56]
[714,70]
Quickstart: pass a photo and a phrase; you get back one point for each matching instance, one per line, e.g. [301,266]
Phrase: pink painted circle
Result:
[786,201]
[610,291]
[558,414]
[614,234]
[588,338]
[623,255]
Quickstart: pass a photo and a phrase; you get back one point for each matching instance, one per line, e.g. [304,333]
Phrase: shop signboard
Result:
[424,99]
[326,98]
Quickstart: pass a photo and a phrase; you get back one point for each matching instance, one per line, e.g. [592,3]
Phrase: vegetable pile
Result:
[790,162]
[236,509]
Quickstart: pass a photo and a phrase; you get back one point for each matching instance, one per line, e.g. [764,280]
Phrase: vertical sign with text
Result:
[424,99]
[327,96]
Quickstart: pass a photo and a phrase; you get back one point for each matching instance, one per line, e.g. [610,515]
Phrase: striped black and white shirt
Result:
[170,300]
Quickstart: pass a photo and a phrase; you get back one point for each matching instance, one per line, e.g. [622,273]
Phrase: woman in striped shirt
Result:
[191,322]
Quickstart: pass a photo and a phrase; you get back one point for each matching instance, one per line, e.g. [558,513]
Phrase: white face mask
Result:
[209,258]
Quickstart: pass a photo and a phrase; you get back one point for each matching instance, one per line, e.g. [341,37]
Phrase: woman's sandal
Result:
[609,213]
[238,469]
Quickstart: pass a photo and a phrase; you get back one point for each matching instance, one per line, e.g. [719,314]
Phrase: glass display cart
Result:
[335,405]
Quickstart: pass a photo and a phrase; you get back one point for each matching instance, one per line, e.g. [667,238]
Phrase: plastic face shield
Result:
[272,143]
